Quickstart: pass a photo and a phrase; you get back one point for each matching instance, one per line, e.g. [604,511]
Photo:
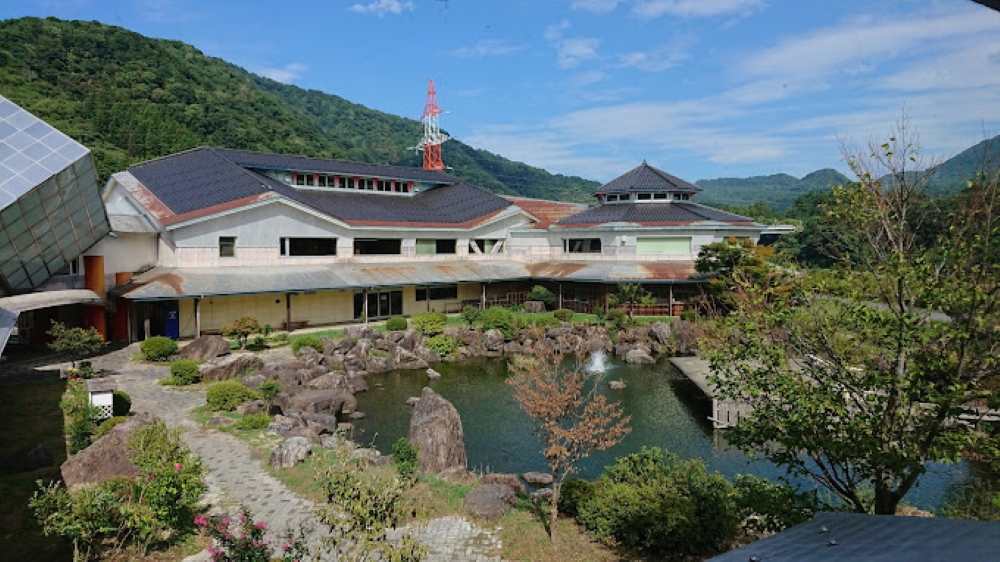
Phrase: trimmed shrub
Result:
[563,315]
[653,501]
[396,324]
[443,344]
[540,293]
[404,455]
[254,421]
[227,395]
[572,493]
[307,341]
[81,434]
[121,403]
[689,315]
[499,318]
[470,314]
[185,371]
[268,390]
[158,348]
[617,319]
[107,425]
[242,329]
[547,322]
[430,323]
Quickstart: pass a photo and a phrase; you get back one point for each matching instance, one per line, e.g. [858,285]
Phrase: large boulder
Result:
[309,356]
[291,452]
[333,401]
[493,340]
[490,501]
[436,428]
[537,478]
[107,457]
[512,480]
[253,407]
[412,340]
[534,306]
[403,359]
[639,357]
[229,366]
[378,365]
[327,381]
[427,354]
[660,332]
[205,348]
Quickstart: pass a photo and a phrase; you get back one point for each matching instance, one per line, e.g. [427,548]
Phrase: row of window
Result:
[616,197]
[307,179]
[295,247]
[661,245]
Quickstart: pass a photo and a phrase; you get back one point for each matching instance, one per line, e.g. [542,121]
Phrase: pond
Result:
[667,411]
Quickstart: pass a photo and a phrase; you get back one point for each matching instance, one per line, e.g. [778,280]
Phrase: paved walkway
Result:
[237,477]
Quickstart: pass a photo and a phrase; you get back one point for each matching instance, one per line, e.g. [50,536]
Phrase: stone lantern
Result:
[101,394]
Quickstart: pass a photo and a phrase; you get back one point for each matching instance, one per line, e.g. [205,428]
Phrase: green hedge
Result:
[499,318]
[430,323]
[444,345]
[563,315]
[396,324]
[227,395]
[121,403]
[158,348]
[307,341]
[185,371]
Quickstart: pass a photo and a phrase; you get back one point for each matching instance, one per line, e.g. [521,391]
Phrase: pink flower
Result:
[201,521]
[177,467]
[286,546]
[260,525]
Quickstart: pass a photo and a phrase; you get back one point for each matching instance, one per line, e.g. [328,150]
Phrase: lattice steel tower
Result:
[433,137]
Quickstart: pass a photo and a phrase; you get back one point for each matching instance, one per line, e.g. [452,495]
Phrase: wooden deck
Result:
[725,413]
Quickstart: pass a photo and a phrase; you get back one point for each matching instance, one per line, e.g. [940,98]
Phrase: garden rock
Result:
[252,408]
[412,401]
[308,433]
[378,365]
[361,348]
[411,341]
[433,375]
[357,415]
[638,357]
[280,425]
[512,480]
[205,348]
[330,441]
[105,458]
[436,428]
[254,381]
[534,306]
[537,478]
[403,359]
[318,401]
[309,356]
[493,340]
[229,366]
[328,381]
[660,332]
[355,364]
[324,423]
[490,501]
[617,385]
[291,452]
[29,459]
[427,354]
[357,383]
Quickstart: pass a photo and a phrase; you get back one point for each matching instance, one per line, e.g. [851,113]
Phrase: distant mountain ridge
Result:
[779,191]
[130,98]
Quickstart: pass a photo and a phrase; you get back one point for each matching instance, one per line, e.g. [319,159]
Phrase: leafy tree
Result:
[631,294]
[863,391]
[242,329]
[571,419]
[540,293]
[74,341]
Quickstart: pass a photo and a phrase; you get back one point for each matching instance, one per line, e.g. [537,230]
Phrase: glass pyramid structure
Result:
[50,202]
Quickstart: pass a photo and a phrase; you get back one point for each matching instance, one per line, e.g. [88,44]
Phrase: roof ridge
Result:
[167,156]
[340,160]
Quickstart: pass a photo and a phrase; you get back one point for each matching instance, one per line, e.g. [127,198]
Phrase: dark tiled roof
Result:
[547,212]
[856,536]
[653,214]
[449,204]
[325,165]
[203,180]
[648,179]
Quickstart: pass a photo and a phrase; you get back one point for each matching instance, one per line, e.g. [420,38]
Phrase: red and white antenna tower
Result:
[433,137]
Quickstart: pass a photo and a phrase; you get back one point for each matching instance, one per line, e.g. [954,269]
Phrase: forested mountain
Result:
[951,175]
[131,98]
[778,191]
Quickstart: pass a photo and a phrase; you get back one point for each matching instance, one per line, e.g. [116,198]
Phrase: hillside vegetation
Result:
[779,191]
[130,98]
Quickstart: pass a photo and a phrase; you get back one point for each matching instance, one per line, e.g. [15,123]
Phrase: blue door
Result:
[171,321]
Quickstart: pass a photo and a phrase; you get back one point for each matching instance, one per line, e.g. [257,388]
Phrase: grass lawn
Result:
[30,415]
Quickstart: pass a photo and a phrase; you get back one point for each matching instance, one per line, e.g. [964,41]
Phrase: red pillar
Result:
[93,279]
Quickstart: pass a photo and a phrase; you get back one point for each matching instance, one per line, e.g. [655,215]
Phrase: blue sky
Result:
[700,88]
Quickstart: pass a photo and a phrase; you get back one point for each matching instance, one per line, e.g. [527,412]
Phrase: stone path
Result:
[236,475]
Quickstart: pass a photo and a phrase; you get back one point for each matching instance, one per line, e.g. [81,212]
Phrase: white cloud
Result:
[285,74]
[571,52]
[597,6]
[486,48]
[555,31]
[382,7]
[650,9]
[588,78]
[652,61]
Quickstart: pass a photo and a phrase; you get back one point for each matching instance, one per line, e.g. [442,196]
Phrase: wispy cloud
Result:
[597,6]
[285,74]
[381,8]
[656,60]
[650,9]
[570,51]
[487,48]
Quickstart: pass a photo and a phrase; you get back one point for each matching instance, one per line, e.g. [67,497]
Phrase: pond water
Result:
[667,411]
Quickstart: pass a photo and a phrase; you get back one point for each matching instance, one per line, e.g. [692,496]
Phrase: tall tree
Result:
[631,294]
[863,391]
[570,416]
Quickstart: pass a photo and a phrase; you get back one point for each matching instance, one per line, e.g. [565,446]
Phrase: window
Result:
[485,245]
[432,247]
[345,183]
[227,246]
[582,245]
[379,246]
[682,196]
[679,245]
[659,196]
[447,292]
[308,246]
[612,198]
[385,185]
[644,196]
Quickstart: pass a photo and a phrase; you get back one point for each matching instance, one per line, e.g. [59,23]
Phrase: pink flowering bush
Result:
[249,543]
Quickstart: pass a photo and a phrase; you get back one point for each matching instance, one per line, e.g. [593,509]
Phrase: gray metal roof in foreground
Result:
[49,299]
[875,538]
[168,284]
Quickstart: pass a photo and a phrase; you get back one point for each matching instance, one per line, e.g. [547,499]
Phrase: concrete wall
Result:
[127,253]
[326,307]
